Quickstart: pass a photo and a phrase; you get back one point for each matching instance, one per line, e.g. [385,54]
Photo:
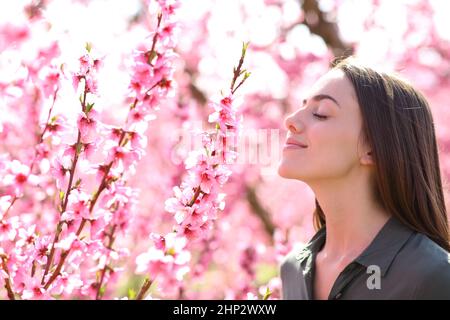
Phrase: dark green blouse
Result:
[398,264]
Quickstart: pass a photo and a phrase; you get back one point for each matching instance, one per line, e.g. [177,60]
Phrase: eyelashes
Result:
[320,117]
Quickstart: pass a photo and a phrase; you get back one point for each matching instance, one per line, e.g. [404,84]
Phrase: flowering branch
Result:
[237,72]
[102,277]
[157,77]
[8,287]
[64,255]
[47,124]
[152,53]
[197,201]
[69,188]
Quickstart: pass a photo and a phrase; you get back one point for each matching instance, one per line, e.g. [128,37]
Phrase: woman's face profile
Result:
[323,134]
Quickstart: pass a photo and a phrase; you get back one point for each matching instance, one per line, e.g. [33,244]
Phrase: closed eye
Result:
[319,116]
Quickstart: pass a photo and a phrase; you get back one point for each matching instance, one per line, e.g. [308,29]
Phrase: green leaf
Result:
[77,184]
[89,107]
[88,47]
[131,294]
[79,145]
[267,294]
[244,47]
[151,56]
[61,195]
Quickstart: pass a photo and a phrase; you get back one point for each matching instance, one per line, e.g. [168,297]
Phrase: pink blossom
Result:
[158,240]
[77,254]
[93,247]
[8,228]
[123,156]
[87,124]
[138,116]
[67,242]
[42,151]
[51,82]
[85,63]
[89,148]
[224,114]
[182,198]
[66,284]
[78,206]
[88,69]
[122,219]
[5,202]
[101,219]
[60,173]
[190,232]
[11,34]
[100,170]
[46,54]
[56,126]
[112,133]
[169,7]
[169,34]
[70,150]
[27,236]
[138,140]
[76,78]
[42,245]
[18,176]
[168,262]
[33,289]
[91,84]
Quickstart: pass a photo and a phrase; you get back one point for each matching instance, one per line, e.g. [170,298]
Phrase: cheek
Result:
[332,152]
[333,148]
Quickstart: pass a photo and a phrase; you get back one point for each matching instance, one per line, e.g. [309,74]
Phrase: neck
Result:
[353,218]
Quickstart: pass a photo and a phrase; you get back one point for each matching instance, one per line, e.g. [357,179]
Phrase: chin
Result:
[285,172]
[288,172]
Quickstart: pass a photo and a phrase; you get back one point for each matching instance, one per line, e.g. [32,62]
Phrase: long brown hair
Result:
[398,125]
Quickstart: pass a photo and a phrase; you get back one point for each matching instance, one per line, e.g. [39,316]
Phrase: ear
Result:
[366,158]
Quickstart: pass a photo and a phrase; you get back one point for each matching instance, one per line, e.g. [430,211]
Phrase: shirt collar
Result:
[386,245]
[380,252]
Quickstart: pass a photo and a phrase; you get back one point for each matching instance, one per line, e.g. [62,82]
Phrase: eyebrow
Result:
[320,97]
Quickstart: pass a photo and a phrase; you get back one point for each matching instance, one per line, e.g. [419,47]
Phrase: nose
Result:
[293,123]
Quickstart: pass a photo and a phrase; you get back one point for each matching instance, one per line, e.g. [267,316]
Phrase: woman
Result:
[365,143]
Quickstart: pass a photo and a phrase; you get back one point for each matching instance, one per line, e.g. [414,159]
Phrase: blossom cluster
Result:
[198,199]
[77,257]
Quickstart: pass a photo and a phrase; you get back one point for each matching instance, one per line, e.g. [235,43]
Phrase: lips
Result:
[293,142]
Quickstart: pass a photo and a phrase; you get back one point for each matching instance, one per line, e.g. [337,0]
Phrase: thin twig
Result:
[8,286]
[145,287]
[63,209]
[110,244]
[66,196]
[35,152]
[102,187]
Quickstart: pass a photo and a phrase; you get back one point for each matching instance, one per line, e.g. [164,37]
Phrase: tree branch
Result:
[317,23]
[258,209]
